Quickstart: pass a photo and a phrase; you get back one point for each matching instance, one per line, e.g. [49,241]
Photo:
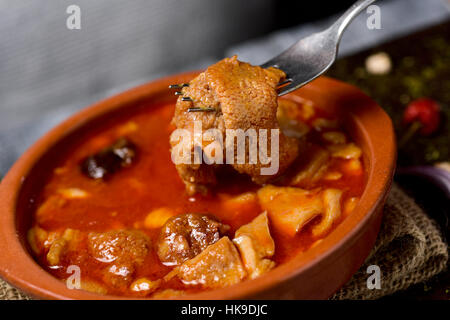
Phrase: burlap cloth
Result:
[409,249]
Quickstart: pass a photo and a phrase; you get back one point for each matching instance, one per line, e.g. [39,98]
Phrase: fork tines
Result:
[179,93]
[201,109]
[286,81]
[178,86]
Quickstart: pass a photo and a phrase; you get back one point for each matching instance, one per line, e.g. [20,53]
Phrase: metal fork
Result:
[309,57]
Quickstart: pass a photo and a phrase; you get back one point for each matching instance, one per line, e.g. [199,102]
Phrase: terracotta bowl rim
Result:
[19,268]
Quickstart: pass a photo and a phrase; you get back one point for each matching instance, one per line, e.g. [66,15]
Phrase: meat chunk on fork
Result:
[197,176]
[241,96]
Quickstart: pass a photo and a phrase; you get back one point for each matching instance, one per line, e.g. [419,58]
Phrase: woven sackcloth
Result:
[409,249]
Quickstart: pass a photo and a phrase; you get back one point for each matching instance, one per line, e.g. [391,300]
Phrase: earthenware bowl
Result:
[315,274]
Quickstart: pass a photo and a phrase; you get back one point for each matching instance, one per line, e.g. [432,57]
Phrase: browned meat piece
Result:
[255,244]
[244,97]
[122,250]
[217,266]
[131,245]
[184,236]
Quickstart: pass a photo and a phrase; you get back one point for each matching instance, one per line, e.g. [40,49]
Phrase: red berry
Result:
[425,111]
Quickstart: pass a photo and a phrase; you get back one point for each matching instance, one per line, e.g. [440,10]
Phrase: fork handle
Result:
[339,26]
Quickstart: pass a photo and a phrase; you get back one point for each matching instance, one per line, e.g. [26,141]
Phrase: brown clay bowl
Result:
[315,274]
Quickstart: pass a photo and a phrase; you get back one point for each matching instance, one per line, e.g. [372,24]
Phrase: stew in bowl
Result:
[105,209]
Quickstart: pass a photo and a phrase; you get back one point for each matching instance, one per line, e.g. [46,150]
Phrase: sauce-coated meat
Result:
[184,236]
[121,251]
